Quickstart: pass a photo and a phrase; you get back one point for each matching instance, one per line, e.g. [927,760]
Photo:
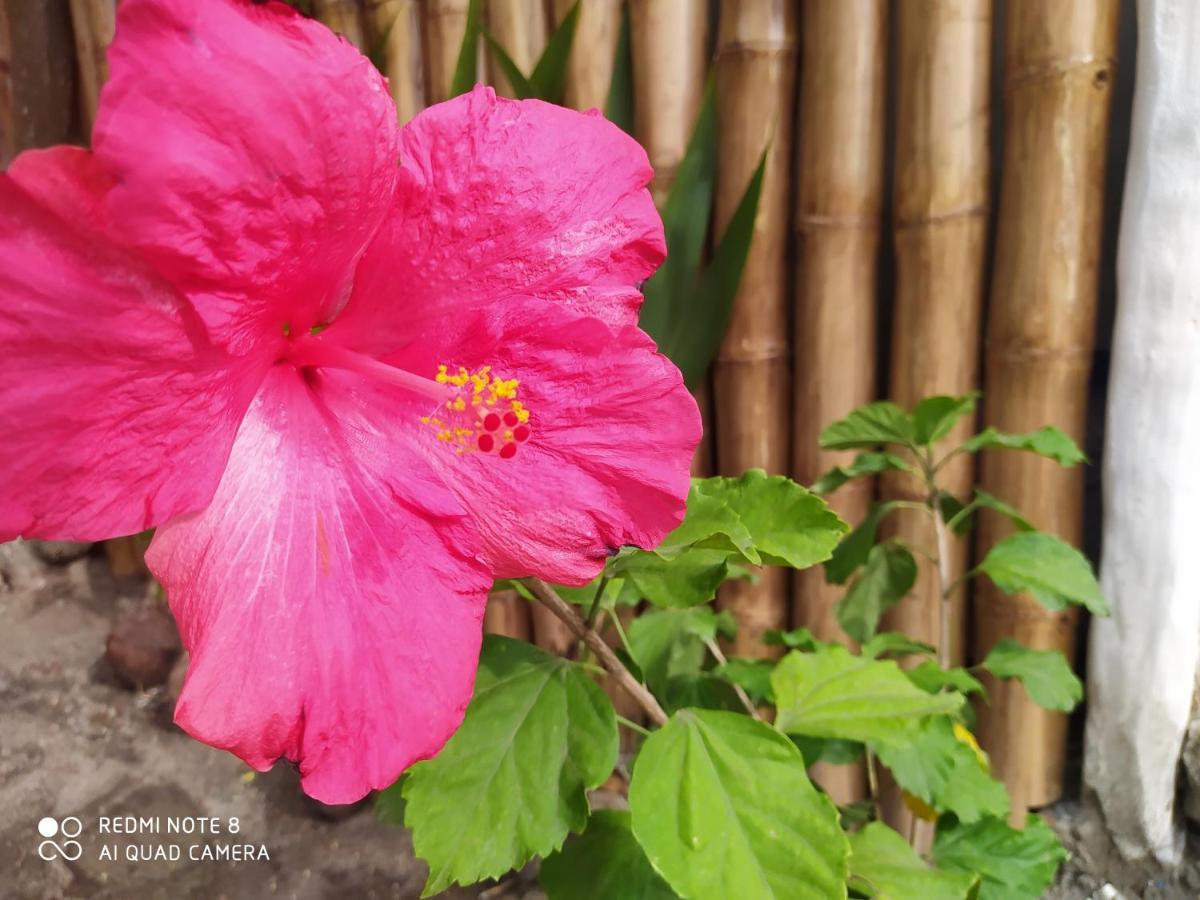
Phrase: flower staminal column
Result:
[1143,661]
[839,197]
[756,80]
[1058,61]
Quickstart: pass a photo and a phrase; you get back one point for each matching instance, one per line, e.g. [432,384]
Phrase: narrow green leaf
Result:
[549,76]
[883,866]
[1047,568]
[1048,442]
[895,644]
[960,520]
[706,320]
[933,417]
[465,70]
[618,107]
[670,293]
[522,87]
[869,426]
[831,693]
[869,463]
[1013,865]
[943,766]
[855,547]
[888,575]
[789,525]
[723,808]
[1045,674]
[511,782]
[752,675]
[605,861]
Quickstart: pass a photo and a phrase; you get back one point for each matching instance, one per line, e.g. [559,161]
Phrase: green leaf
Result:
[687,579]
[942,766]
[670,292]
[789,525]
[895,644]
[855,547]
[797,639]
[723,808]
[1047,568]
[703,691]
[465,70]
[618,107]
[712,523]
[870,426]
[869,463]
[828,750]
[1048,442]
[389,803]
[1046,674]
[889,574]
[752,675]
[549,76]
[959,520]
[831,693]
[933,417]
[885,867]
[670,642]
[1013,865]
[932,678]
[521,85]
[511,782]
[605,861]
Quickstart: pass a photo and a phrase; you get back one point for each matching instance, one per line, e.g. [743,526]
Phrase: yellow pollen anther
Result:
[482,415]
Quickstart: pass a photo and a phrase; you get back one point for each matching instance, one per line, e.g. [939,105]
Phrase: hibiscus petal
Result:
[613,434]
[329,596]
[116,410]
[499,198]
[254,154]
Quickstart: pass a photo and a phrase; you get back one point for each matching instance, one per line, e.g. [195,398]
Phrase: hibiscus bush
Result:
[720,803]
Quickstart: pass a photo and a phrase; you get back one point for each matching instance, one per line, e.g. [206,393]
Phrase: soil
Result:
[74,741]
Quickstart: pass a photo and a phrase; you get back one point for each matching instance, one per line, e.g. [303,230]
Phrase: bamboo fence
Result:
[803,346]
[1059,63]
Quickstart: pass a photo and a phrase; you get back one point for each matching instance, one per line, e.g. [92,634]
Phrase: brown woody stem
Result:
[549,598]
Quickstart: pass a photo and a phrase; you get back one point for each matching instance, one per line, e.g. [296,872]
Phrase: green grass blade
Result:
[466,67]
[549,76]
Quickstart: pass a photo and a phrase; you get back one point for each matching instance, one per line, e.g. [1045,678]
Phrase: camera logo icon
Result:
[67,829]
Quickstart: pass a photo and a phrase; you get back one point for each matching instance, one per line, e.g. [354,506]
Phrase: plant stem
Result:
[873,785]
[633,726]
[945,585]
[715,649]
[549,598]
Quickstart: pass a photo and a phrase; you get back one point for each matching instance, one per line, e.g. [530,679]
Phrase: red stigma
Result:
[486,443]
[508,451]
[521,434]
[511,420]
[491,422]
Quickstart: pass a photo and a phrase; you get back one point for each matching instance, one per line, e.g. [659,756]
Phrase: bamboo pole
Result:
[755,75]
[394,28]
[507,613]
[93,22]
[1059,59]
[443,25]
[345,17]
[939,228]
[520,27]
[940,218]
[590,65]
[839,198]
[669,50]
[37,90]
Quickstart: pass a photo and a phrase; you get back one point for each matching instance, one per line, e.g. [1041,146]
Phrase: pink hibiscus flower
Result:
[351,372]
